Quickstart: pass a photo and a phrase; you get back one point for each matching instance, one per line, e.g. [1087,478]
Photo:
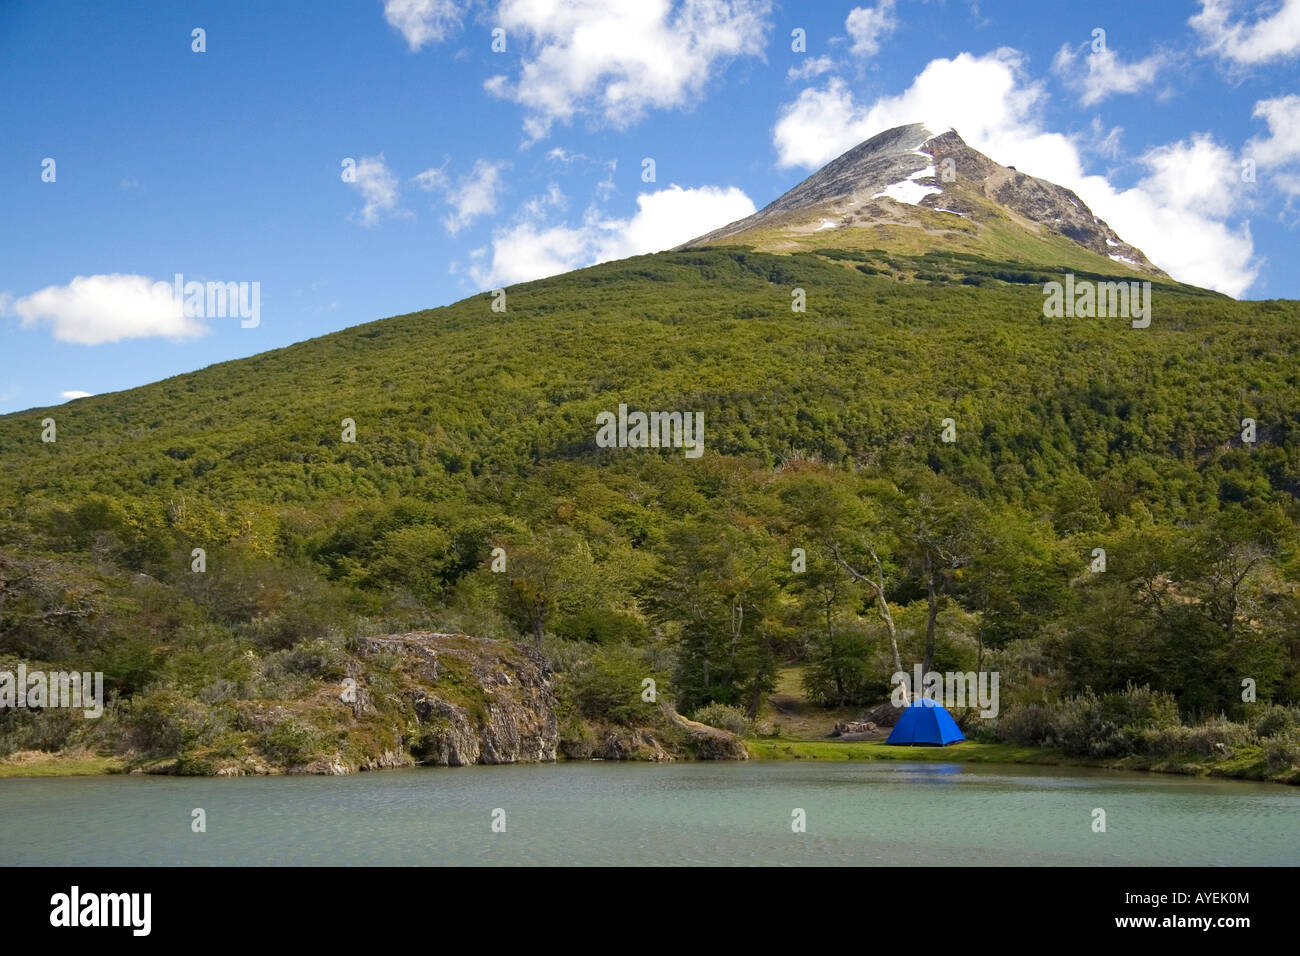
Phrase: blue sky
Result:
[473,168]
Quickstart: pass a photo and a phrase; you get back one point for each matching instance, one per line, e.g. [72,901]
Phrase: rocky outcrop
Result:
[473,700]
[670,738]
[428,698]
[710,743]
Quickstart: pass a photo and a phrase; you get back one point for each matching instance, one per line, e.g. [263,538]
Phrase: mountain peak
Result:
[948,194]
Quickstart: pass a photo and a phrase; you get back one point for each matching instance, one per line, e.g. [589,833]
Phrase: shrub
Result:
[725,717]
[1215,739]
[602,625]
[1277,721]
[1087,725]
[163,722]
[845,672]
[1085,729]
[318,658]
[1032,725]
[1282,751]
[289,741]
[607,685]
[1140,707]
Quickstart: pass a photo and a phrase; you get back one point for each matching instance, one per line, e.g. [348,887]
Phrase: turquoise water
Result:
[638,814]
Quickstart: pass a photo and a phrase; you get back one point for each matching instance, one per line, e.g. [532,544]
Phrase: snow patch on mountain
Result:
[909,190]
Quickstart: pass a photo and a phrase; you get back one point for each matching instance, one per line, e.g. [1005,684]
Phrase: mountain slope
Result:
[219,549]
[910,189]
[463,390]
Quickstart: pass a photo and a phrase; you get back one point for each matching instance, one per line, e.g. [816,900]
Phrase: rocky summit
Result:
[910,185]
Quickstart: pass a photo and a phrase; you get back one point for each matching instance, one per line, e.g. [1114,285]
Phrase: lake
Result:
[639,814]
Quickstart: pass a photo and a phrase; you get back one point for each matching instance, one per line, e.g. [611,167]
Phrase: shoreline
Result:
[1248,764]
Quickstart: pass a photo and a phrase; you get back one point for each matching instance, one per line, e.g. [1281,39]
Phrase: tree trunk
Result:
[835,660]
[932,597]
[882,605]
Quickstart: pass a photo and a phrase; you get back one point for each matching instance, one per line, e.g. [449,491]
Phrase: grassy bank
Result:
[1247,763]
[36,763]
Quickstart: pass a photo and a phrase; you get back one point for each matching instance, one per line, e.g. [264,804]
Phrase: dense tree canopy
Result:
[823,433]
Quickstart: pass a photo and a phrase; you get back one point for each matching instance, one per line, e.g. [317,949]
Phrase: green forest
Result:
[828,522]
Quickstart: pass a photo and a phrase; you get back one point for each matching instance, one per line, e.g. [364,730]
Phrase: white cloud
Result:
[553,198]
[92,310]
[1105,73]
[672,216]
[869,27]
[1283,142]
[666,218]
[431,179]
[997,110]
[474,194]
[1289,183]
[1273,36]
[378,187]
[803,127]
[1105,143]
[616,61]
[74,393]
[813,66]
[423,21]
[529,251]
[1193,174]
[982,97]
[1281,148]
[1161,216]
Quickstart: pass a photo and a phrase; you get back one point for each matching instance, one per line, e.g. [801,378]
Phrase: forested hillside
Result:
[823,431]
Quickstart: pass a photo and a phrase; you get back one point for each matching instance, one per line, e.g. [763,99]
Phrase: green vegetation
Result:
[967,752]
[30,763]
[822,432]
[1247,763]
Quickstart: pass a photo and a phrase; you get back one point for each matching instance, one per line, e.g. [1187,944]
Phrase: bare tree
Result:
[877,586]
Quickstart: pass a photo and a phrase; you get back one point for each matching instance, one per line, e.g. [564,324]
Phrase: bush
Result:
[1112,725]
[1034,725]
[1214,739]
[1140,707]
[1277,721]
[318,658]
[1282,751]
[725,717]
[602,625]
[607,686]
[1086,730]
[163,722]
[289,741]
[845,672]
[49,730]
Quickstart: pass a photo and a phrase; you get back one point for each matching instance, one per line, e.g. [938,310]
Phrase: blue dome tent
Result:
[925,721]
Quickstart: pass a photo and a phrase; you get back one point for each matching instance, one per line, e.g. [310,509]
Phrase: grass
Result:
[792,715]
[966,752]
[36,763]
[920,230]
[1247,763]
